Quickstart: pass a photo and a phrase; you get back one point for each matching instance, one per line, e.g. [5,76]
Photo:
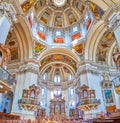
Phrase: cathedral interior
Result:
[59,61]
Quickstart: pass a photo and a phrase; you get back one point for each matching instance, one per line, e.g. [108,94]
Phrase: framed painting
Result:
[108,96]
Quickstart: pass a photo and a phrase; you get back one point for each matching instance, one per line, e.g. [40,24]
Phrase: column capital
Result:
[29,67]
[7,9]
[114,21]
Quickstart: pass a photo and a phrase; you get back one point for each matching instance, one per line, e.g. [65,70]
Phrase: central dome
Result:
[62,13]
[65,22]
[59,3]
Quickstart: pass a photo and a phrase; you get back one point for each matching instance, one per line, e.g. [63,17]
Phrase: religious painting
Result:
[14,53]
[79,6]
[104,45]
[109,36]
[97,11]
[71,18]
[57,109]
[58,21]
[39,4]
[108,96]
[58,57]
[38,47]
[79,48]
[44,17]
[102,55]
[26,6]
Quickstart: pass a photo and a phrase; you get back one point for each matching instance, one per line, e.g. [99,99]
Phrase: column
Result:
[27,76]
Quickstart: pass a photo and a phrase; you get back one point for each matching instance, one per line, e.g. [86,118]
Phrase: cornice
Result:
[94,68]
[30,65]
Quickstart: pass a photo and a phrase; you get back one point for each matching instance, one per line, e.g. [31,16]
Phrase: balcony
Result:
[6,80]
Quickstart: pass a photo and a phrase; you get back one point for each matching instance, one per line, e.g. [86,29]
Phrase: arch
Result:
[110,54]
[24,37]
[64,51]
[92,40]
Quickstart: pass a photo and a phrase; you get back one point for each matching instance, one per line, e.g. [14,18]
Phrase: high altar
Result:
[57,105]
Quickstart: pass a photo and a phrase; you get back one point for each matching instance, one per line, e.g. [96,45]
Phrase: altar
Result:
[57,106]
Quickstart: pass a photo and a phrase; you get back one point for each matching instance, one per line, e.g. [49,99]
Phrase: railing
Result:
[29,104]
[6,77]
[89,101]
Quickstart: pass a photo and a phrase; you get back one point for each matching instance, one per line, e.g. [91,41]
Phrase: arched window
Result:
[45,76]
[42,104]
[43,92]
[69,76]
[71,92]
[75,29]
[57,76]
[72,104]
[57,92]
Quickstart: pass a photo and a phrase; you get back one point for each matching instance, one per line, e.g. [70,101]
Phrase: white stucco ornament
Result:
[59,3]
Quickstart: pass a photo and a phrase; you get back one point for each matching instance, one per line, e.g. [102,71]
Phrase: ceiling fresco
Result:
[58,58]
[63,15]
[38,47]
[79,48]
[12,42]
[104,46]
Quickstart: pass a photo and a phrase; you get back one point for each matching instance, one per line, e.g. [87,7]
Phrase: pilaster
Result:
[27,75]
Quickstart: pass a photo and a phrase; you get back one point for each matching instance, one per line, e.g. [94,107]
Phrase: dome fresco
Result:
[60,13]
[64,22]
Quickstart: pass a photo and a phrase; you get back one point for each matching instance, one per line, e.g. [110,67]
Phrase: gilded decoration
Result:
[11,41]
[104,46]
[97,11]
[88,99]
[66,14]
[4,55]
[79,48]
[27,5]
[58,58]
[45,17]
[29,99]
[38,47]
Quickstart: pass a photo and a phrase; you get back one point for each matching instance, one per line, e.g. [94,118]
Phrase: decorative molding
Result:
[114,20]
[30,65]
[8,10]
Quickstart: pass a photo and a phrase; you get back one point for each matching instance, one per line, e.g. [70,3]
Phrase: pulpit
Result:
[57,105]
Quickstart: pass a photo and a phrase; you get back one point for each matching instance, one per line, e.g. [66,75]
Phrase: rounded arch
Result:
[24,37]
[104,5]
[110,55]
[92,40]
[64,51]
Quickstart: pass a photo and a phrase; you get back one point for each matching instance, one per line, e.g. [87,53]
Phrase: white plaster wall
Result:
[94,83]
[24,80]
